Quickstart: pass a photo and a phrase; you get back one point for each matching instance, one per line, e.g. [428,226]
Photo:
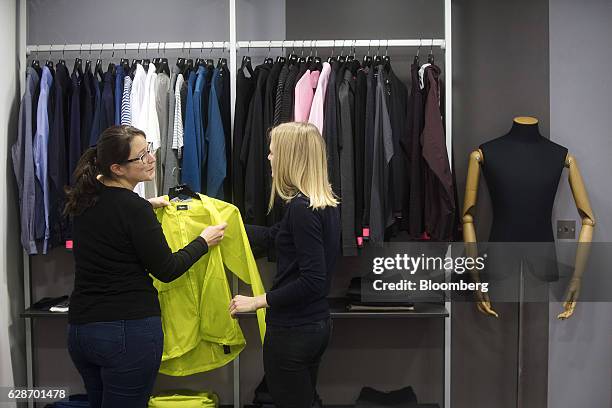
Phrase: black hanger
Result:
[377,60]
[269,61]
[98,70]
[281,59]
[182,190]
[386,60]
[88,66]
[111,68]
[210,63]
[49,64]
[246,63]
[145,63]
[222,63]
[199,61]
[125,63]
[61,62]
[189,66]
[293,58]
[367,61]
[135,63]
[430,58]
[164,67]
[78,66]
[181,64]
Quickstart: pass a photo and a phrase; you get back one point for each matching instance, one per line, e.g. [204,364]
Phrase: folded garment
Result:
[46,302]
[61,307]
[371,398]
[184,399]
[263,399]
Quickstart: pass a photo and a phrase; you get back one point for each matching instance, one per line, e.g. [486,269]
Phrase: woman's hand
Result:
[214,234]
[241,304]
[159,202]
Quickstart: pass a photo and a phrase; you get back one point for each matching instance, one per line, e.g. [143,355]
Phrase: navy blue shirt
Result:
[307,245]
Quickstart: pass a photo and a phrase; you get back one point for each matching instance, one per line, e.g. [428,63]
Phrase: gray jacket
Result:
[169,157]
[23,164]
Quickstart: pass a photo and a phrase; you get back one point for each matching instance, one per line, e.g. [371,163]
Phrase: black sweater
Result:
[117,243]
[307,246]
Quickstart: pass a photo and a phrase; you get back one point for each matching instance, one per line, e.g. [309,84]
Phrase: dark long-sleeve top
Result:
[307,245]
[118,242]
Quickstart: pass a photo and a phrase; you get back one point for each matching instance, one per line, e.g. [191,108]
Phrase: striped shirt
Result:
[126,110]
[177,135]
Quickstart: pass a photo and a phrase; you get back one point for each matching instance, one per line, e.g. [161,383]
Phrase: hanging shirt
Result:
[304,92]
[177,133]
[149,120]
[316,116]
[57,155]
[199,333]
[198,112]
[190,169]
[74,148]
[119,79]
[107,111]
[126,107]
[23,163]
[330,129]
[161,105]
[346,97]
[380,207]
[88,102]
[137,94]
[95,123]
[215,139]
[245,87]
[280,86]
[169,156]
[41,143]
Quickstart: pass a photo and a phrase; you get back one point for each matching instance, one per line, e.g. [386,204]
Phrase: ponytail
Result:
[84,193]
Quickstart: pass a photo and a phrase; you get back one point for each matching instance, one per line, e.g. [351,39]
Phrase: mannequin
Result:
[540,161]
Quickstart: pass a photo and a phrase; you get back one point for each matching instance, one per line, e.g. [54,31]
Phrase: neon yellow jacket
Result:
[199,333]
[184,399]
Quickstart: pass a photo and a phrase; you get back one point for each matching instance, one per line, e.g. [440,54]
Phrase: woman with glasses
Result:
[115,336]
[307,242]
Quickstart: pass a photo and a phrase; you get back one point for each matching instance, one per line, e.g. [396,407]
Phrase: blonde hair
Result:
[300,165]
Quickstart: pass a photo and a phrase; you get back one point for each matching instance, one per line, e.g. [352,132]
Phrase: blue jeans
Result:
[291,357]
[118,360]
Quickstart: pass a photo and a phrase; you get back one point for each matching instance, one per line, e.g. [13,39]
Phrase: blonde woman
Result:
[307,242]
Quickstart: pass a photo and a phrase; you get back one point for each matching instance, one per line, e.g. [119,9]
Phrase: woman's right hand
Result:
[214,234]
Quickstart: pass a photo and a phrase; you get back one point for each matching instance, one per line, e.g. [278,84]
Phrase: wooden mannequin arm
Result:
[471,195]
[585,237]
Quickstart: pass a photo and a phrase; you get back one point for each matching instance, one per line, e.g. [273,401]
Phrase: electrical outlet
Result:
[566,229]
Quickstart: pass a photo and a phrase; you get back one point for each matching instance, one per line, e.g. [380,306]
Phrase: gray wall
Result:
[11,285]
[580,98]
[501,70]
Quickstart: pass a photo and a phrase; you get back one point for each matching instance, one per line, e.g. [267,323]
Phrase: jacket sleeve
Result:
[307,230]
[152,248]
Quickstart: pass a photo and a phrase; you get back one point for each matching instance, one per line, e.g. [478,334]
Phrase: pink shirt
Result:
[304,92]
[316,110]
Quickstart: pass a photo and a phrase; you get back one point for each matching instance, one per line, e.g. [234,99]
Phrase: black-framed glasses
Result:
[143,156]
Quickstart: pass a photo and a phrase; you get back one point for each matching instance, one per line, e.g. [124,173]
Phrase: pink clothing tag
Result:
[69,244]
[366,232]
[360,241]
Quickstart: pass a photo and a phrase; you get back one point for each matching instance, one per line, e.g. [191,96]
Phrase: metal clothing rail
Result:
[140,47]
[209,45]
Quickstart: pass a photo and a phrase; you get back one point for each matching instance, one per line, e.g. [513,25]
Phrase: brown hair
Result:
[114,146]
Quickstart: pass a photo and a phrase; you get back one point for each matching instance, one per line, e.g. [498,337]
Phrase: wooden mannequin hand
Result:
[570,300]
[483,304]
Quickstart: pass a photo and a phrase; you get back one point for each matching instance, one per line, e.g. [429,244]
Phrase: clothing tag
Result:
[366,232]
[226,349]
[359,242]
[182,207]
[69,244]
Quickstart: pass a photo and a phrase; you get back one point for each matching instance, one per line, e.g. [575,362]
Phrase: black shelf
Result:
[337,305]
[34,313]
[339,310]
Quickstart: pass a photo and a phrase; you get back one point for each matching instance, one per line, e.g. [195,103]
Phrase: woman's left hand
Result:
[159,202]
[241,304]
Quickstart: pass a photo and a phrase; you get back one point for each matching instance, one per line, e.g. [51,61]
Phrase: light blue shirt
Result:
[41,143]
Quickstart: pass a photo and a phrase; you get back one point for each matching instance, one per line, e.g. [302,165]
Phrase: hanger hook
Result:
[316,49]
[387,48]
[431,46]
[419,49]
[369,46]
[64,51]
[189,49]
[113,54]
[354,47]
